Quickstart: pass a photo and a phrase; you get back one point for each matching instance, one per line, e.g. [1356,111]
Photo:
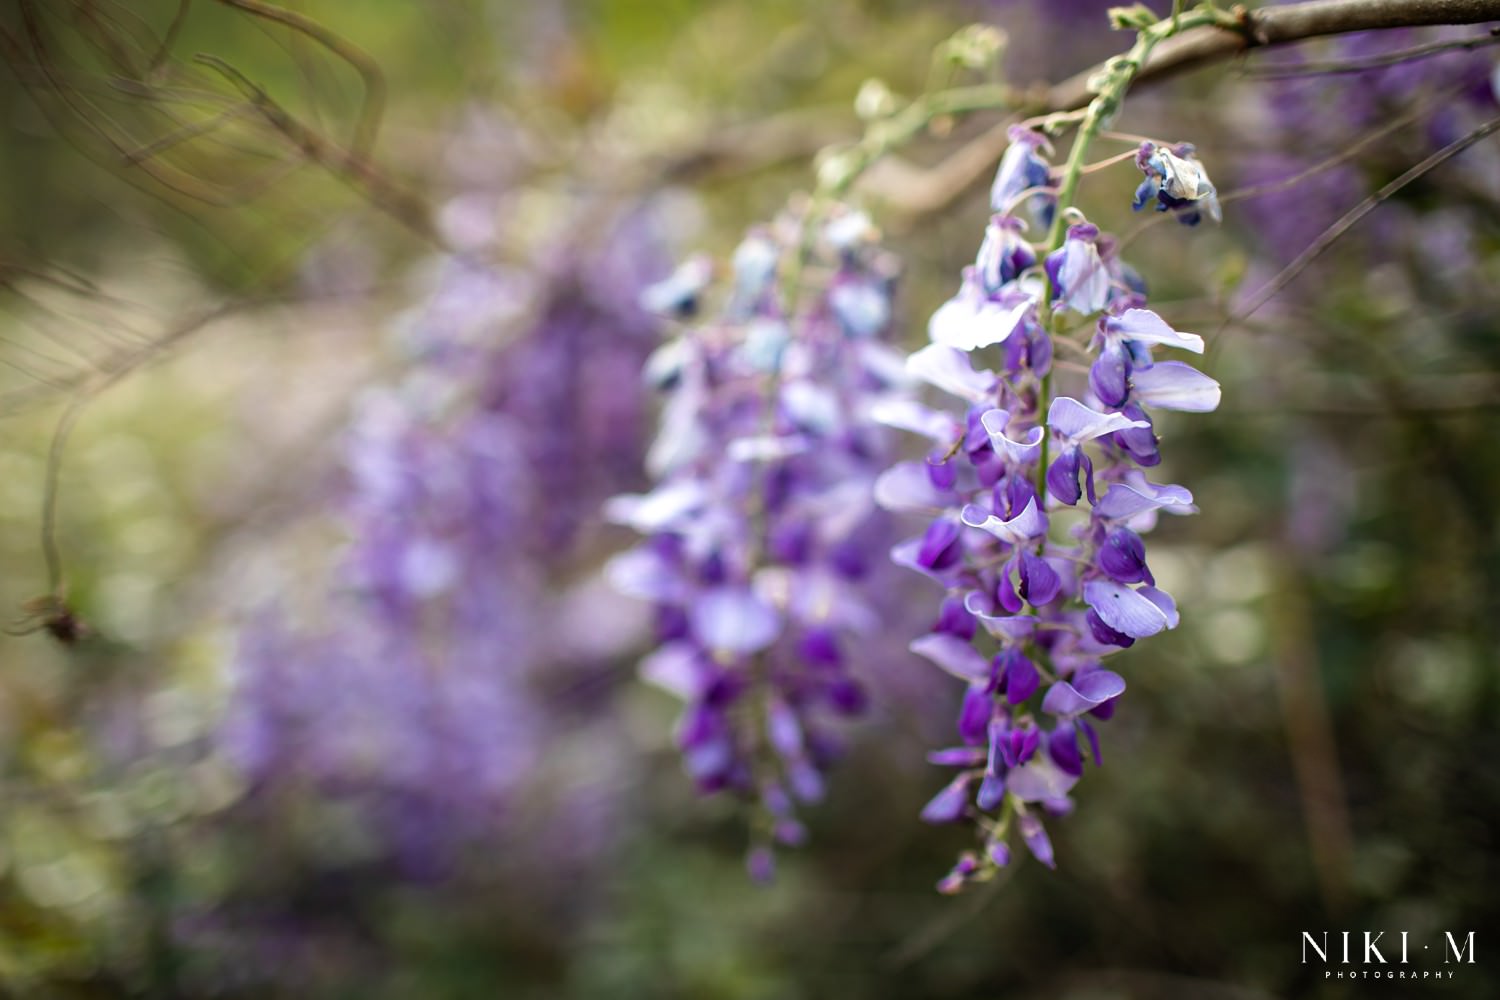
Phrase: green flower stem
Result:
[841,168]
[1110,87]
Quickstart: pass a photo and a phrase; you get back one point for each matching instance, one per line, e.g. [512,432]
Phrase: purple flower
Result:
[1080,281]
[1022,169]
[765,462]
[1176,181]
[1051,606]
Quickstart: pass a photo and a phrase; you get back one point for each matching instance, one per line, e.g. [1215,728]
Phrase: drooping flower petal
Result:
[970,321]
[1022,452]
[908,487]
[940,546]
[949,369]
[1077,423]
[1062,477]
[1139,442]
[1105,635]
[907,414]
[958,757]
[734,620]
[1172,385]
[1163,601]
[1109,375]
[659,510]
[1066,699]
[1030,523]
[1124,610]
[1062,747]
[1013,628]
[1039,581]
[1040,780]
[1035,836]
[1145,327]
[1080,281]
[948,805]
[1021,168]
[974,714]
[1126,500]
[954,655]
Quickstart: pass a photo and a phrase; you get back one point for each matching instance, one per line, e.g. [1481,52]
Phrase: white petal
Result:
[1123,609]
[644,574]
[765,447]
[1039,779]
[954,655]
[1015,452]
[734,620]
[1172,385]
[1028,524]
[906,486]
[658,510]
[949,369]
[969,321]
[1078,423]
[1145,327]
[910,415]
[1136,495]
[675,668]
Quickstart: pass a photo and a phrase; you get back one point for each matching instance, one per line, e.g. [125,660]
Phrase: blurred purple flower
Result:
[764,466]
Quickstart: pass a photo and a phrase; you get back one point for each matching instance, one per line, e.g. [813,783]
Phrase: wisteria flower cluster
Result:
[759,525]
[1037,498]
[424,693]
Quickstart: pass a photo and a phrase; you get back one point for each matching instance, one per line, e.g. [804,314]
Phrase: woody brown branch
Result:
[913,191]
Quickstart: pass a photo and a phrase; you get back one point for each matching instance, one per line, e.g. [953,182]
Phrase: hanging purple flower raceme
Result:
[1036,501]
[433,686]
[761,514]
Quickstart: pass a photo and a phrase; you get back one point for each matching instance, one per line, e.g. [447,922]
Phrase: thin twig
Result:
[169,39]
[953,920]
[1332,234]
[1271,187]
[86,393]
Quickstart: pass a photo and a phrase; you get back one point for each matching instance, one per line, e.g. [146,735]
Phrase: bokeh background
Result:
[339,309]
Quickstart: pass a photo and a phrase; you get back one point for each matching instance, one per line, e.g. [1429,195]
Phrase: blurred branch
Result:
[349,165]
[33,59]
[1283,25]
[373,108]
[1344,155]
[735,149]
[1309,733]
[1333,68]
[169,39]
[1344,394]
[949,923]
[85,123]
[917,191]
[87,390]
[1350,218]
